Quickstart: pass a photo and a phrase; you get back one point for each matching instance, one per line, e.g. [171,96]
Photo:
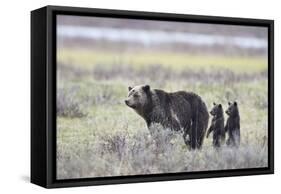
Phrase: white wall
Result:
[15,94]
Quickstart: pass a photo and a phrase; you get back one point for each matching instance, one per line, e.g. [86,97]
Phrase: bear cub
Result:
[217,125]
[233,125]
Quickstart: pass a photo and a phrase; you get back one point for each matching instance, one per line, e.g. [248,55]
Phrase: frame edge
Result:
[38,97]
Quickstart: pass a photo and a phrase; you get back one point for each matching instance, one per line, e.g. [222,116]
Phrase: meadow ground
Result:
[98,135]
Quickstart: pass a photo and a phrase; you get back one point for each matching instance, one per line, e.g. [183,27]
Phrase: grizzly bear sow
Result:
[178,111]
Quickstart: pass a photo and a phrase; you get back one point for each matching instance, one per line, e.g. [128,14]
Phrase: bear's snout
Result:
[126,102]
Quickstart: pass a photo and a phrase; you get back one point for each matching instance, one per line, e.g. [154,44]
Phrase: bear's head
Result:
[138,97]
[217,110]
[232,109]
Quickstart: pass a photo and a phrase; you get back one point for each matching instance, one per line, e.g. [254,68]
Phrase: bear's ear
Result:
[130,88]
[235,103]
[214,104]
[229,103]
[220,106]
[146,88]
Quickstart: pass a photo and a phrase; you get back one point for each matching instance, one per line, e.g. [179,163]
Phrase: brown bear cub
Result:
[177,111]
[217,125]
[233,125]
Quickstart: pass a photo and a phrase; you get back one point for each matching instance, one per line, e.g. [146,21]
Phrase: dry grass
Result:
[97,135]
[123,153]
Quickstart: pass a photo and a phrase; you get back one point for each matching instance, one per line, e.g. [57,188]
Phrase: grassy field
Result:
[97,135]
[177,61]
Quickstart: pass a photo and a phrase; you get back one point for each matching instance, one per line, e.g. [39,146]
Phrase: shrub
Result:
[68,104]
[122,153]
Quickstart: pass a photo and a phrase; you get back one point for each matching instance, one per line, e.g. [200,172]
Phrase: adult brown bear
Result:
[178,111]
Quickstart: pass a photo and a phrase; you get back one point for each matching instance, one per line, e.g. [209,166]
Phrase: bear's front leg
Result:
[186,134]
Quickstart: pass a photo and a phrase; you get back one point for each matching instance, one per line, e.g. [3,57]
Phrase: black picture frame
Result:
[43,96]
